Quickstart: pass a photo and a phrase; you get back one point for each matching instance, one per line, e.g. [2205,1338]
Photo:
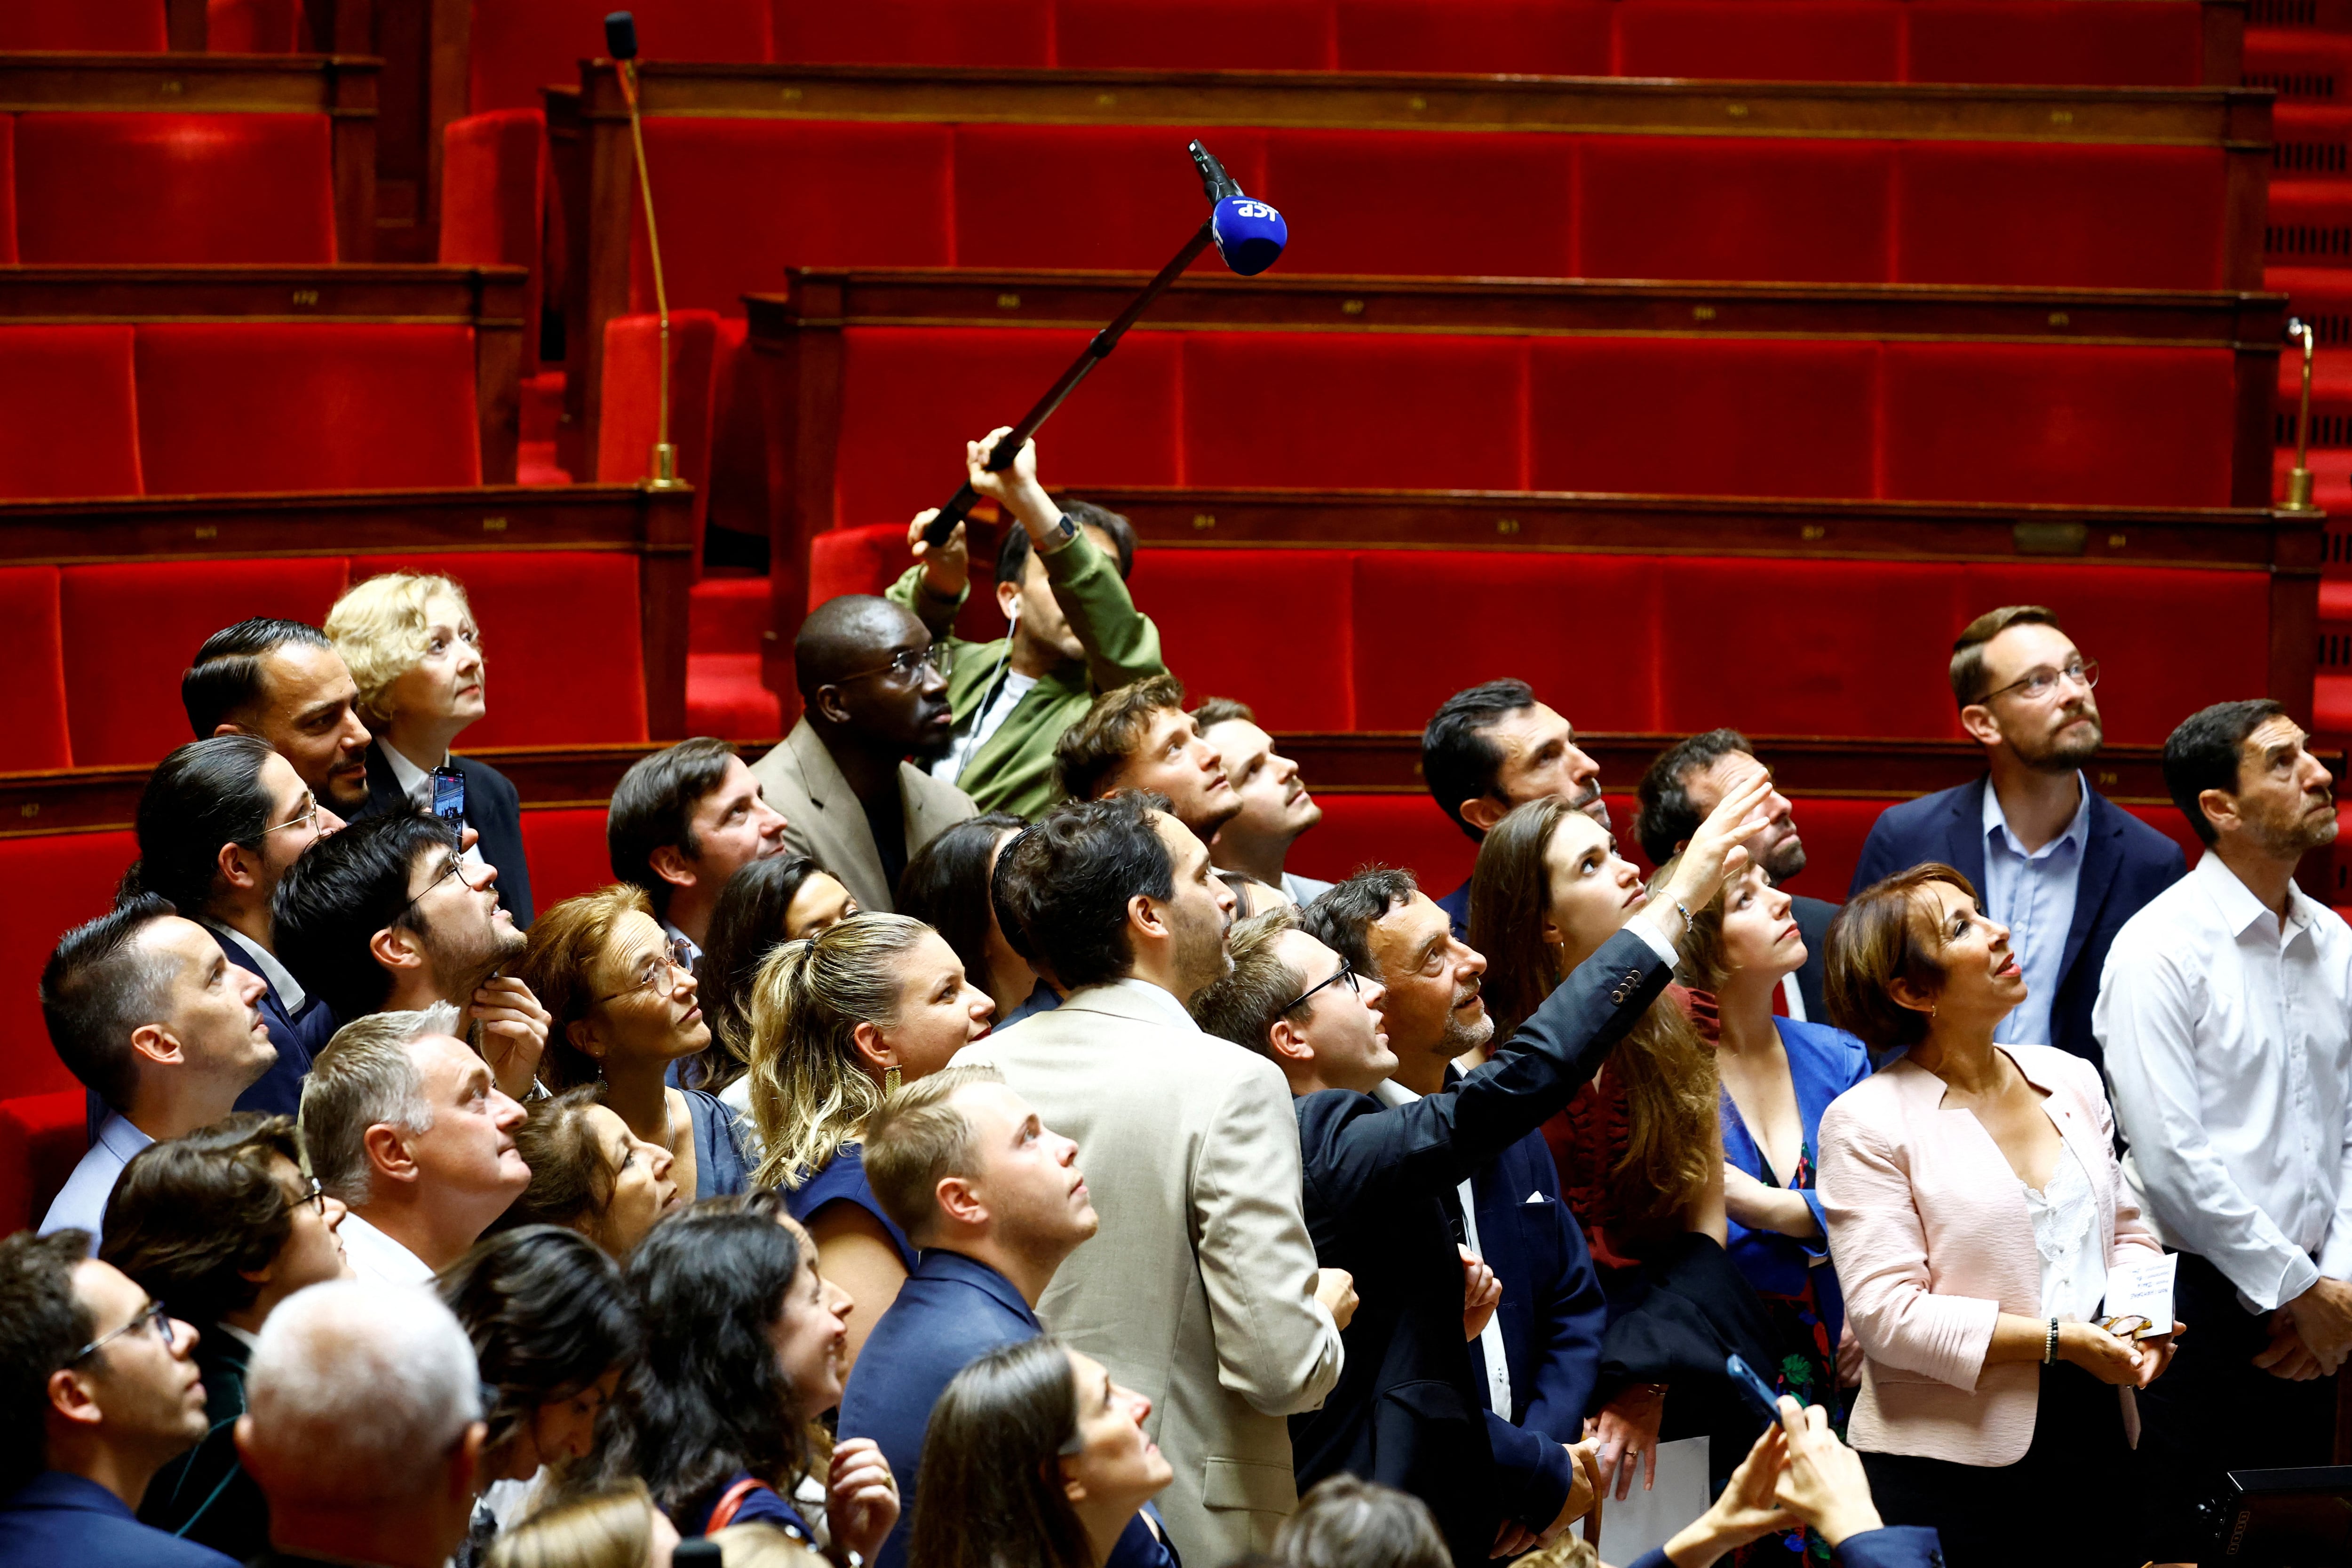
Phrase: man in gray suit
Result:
[1200,1289]
[872,696]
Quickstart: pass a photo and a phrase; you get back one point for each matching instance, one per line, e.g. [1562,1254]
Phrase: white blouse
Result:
[2066,1235]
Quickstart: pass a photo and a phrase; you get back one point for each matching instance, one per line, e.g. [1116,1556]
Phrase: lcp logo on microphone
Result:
[1253,209]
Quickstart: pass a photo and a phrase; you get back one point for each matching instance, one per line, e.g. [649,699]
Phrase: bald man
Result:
[872,696]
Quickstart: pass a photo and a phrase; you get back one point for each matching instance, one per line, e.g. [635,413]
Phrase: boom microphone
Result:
[621,36]
[1249,233]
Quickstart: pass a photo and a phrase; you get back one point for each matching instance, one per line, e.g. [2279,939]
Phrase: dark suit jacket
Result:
[57,1518]
[1552,1313]
[299,1036]
[204,1495]
[1406,1412]
[2125,864]
[493,810]
[1889,1546]
[1812,917]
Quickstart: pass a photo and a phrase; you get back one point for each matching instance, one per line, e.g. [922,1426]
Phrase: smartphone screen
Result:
[449,794]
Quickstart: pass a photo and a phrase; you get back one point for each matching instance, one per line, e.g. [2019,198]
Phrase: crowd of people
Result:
[957,1138]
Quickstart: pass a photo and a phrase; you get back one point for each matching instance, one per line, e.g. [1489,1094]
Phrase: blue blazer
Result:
[1552,1312]
[57,1518]
[2125,864]
[299,1036]
[951,1311]
[1378,1179]
[1891,1546]
[493,811]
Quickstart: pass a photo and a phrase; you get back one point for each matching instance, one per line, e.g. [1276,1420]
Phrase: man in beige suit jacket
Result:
[872,695]
[1200,1289]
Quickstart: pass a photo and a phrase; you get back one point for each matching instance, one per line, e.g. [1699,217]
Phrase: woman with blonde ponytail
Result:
[838,1021]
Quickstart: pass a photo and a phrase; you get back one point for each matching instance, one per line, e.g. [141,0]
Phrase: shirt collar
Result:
[386,1258]
[693,949]
[1159,1000]
[121,1136]
[2238,907]
[288,990]
[939,1263]
[1389,1092]
[415,783]
[2078,830]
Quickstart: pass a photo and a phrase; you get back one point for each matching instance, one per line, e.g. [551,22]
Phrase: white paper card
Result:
[1648,1520]
[2142,1289]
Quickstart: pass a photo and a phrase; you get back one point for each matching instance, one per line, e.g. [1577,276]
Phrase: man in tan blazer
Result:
[872,696]
[1200,1289]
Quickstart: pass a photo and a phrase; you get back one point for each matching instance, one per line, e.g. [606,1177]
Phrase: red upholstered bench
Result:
[42,1138]
[566,848]
[1738,40]
[494,201]
[76,874]
[915,32]
[1971,212]
[1405,830]
[84,27]
[30,647]
[1195,35]
[1271,627]
[629,414]
[1112,201]
[2060,44]
[69,412]
[1508,208]
[515,47]
[179,188]
[1542,37]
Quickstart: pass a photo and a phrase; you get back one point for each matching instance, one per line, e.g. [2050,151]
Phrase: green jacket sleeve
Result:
[1122,645]
[937,615]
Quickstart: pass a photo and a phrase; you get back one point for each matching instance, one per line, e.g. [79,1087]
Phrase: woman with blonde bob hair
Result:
[416,654]
[838,1021]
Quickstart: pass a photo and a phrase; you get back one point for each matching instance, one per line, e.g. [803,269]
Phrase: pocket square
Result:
[1538,1198]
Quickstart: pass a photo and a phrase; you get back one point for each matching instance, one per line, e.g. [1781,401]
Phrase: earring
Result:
[890,1081]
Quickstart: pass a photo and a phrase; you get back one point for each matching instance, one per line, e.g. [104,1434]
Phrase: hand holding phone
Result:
[1753,1388]
[448,794]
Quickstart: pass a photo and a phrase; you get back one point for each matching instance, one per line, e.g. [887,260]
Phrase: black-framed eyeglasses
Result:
[457,867]
[908,666]
[2083,672]
[1346,972]
[309,816]
[153,1312]
[674,956]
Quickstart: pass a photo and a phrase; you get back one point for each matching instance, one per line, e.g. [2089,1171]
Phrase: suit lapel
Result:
[1965,837]
[842,841]
[2102,853]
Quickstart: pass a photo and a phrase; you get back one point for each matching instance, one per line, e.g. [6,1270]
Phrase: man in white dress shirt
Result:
[146,1010]
[404,1125]
[2225,1010]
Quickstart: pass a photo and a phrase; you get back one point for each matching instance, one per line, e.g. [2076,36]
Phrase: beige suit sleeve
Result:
[1277,1347]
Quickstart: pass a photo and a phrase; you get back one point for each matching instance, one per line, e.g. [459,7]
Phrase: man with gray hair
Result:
[364,1425]
[405,1124]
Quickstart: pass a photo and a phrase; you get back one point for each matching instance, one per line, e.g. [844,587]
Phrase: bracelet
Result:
[2050,1351]
[1683,910]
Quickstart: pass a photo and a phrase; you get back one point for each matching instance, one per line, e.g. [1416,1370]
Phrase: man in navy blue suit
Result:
[996,1201]
[2051,857]
[1492,747]
[97,1391]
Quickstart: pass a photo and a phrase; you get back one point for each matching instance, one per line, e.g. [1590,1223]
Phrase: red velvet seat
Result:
[566,847]
[85,26]
[249,406]
[1195,35]
[69,413]
[493,201]
[73,875]
[1406,830]
[867,561]
[2127,426]
[1578,627]
[1534,37]
[560,637]
[35,736]
[912,398]
[1401,412]
[1126,196]
[829,194]
[1702,206]
[2168,820]
[517,47]
[1220,612]
[2095,217]
[256,27]
[1507,202]
[2032,41]
[1729,417]
[1834,831]
[915,32]
[2309,224]
[128,629]
[250,188]
[1740,40]
[739,435]
[42,1138]
[629,414]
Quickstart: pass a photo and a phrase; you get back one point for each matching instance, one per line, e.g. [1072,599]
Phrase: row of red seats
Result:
[142,26]
[215,408]
[95,651]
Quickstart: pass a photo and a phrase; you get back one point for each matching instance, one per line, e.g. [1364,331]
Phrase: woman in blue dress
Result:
[838,1021]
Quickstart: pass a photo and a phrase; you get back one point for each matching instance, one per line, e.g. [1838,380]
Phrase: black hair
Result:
[947,885]
[745,927]
[1665,816]
[549,1315]
[653,808]
[1341,915]
[98,988]
[2203,754]
[42,1323]
[1012,554]
[707,1400]
[1066,882]
[192,1217]
[342,891]
[225,679]
[1458,761]
[205,794]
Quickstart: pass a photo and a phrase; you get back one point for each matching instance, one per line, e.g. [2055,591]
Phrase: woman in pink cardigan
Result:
[1974,1208]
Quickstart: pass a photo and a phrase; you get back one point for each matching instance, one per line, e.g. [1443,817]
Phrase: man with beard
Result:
[1276,806]
[2051,857]
[386,916]
[1682,787]
[1492,747]
[872,696]
[1201,1292]
[284,681]
[2226,1012]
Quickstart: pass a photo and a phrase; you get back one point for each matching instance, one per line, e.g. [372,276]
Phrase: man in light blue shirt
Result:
[2032,891]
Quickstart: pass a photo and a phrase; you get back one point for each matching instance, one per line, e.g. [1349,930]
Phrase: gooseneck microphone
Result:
[1248,234]
[621,44]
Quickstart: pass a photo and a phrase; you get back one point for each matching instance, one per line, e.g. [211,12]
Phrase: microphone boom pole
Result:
[621,39]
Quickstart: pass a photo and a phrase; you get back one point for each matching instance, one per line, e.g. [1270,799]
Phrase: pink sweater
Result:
[1929,1232]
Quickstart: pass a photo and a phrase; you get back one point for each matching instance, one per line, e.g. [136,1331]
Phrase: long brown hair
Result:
[991,1493]
[1667,1071]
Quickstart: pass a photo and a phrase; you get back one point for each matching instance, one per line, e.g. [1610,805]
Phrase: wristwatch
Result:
[1059,536]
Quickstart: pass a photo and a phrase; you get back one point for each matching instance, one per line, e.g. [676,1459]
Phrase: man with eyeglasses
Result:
[872,696]
[146,1010]
[100,1392]
[2051,857]
[385,916]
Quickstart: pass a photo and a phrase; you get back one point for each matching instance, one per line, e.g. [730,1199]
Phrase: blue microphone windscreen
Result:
[621,36]
[1249,235]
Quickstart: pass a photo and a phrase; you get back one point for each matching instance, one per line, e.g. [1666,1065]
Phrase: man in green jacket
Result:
[1061,580]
